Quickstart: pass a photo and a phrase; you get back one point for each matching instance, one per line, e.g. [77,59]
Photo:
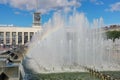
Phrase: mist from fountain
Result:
[66,43]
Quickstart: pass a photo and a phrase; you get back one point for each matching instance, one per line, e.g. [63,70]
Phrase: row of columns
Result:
[16,36]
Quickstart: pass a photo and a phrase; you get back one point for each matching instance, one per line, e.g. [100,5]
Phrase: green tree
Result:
[113,35]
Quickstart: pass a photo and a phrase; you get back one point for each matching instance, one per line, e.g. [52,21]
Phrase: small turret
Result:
[36,19]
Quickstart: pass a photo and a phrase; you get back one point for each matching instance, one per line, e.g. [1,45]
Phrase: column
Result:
[10,38]
[22,38]
[4,40]
[16,38]
[28,36]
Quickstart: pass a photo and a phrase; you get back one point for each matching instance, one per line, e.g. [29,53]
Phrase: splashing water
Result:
[65,45]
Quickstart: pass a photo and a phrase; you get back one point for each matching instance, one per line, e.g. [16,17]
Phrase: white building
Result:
[12,35]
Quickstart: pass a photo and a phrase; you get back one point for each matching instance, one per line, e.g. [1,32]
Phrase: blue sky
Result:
[19,12]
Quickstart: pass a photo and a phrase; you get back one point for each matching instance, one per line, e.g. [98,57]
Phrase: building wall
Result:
[17,35]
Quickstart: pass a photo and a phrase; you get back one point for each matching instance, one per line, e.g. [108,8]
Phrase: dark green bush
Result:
[113,35]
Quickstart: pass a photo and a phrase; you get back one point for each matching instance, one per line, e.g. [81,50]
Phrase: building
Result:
[112,28]
[12,35]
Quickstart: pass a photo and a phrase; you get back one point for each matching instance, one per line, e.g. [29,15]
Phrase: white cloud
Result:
[97,2]
[3,1]
[16,12]
[42,5]
[114,7]
[67,9]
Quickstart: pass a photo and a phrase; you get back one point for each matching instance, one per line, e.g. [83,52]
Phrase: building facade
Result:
[11,35]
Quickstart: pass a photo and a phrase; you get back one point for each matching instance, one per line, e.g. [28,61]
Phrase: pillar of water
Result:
[72,43]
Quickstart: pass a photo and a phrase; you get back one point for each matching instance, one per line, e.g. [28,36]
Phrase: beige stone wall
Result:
[23,30]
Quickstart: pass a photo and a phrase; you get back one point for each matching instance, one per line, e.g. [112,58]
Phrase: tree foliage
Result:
[113,35]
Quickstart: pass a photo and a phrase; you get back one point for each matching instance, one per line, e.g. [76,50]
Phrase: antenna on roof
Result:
[37,2]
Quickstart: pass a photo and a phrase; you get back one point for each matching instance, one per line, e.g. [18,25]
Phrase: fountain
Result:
[69,42]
